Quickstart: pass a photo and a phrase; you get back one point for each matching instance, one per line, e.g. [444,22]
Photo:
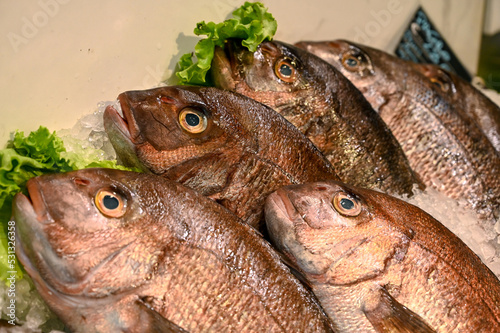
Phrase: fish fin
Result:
[294,270]
[154,322]
[388,316]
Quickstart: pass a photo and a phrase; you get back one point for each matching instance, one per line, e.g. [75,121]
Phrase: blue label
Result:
[422,43]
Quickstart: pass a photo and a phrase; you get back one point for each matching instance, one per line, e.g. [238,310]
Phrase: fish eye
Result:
[351,61]
[285,70]
[346,205]
[110,203]
[443,81]
[442,85]
[355,61]
[192,120]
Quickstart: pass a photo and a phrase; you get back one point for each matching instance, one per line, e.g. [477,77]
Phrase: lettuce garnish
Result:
[39,153]
[251,23]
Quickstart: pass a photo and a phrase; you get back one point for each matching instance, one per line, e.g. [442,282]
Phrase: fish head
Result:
[180,133]
[367,68]
[88,238]
[276,74]
[351,59]
[333,233]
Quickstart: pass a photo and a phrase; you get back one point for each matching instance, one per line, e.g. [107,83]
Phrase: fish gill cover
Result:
[251,23]
[23,158]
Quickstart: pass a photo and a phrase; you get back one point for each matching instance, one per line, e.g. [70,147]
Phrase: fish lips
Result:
[282,219]
[33,249]
[224,70]
[123,132]
[125,125]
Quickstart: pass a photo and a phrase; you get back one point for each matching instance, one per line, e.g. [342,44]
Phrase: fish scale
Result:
[465,160]
[324,106]
[474,103]
[245,152]
[444,145]
[381,264]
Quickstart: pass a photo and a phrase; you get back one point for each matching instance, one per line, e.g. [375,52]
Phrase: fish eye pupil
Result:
[110,202]
[346,204]
[351,62]
[286,70]
[192,119]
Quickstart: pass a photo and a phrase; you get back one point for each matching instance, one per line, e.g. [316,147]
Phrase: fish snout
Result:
[337,46]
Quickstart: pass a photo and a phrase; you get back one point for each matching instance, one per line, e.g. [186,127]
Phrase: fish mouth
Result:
[123,123]
[123,132]
[281,220]
[37,201]
[33,248]
[284,204]
[224,73]
[54,277]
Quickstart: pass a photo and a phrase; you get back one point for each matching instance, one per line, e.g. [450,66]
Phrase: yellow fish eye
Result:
[285,70]
[356,61]
[346,205]
[192,120]
[350,61]
[110,203]
[440,83]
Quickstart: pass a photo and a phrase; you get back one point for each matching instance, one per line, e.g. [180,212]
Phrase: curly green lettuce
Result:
[251,23]
[39,153]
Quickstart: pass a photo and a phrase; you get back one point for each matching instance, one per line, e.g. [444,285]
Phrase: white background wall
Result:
[59,58]
[492,17]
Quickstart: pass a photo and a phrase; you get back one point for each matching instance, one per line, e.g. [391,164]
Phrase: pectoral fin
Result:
[388,316]
[152,321]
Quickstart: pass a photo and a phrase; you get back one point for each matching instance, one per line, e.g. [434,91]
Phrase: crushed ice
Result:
[88,137]
[464,223]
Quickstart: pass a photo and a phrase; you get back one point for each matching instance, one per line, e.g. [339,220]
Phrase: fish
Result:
[443,144]
[478,106]
[322,104]
[225,145]
[121,251]
[379,264]
[456,90]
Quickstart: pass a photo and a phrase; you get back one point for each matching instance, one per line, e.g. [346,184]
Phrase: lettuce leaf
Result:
[39,153]
[251,23]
